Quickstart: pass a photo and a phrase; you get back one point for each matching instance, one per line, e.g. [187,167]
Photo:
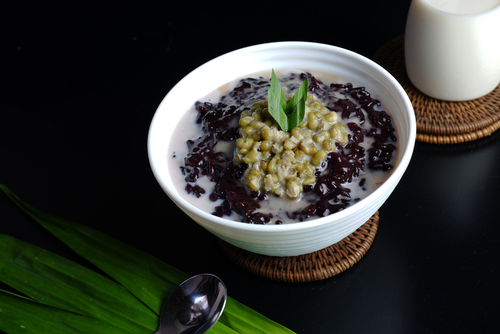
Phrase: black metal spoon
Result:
[194,306]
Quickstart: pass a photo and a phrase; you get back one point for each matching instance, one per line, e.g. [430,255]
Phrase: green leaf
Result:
[282,101]
[146,277]
[19,315]
[55,281]
[296,107]
[297,115]
[291,113]
[276,103]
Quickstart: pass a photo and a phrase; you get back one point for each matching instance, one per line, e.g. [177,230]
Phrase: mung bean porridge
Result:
[229,158]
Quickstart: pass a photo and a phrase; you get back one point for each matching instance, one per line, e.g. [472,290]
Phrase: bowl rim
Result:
[386,186]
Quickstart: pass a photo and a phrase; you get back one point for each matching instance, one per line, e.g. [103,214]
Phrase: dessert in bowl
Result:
[304,235]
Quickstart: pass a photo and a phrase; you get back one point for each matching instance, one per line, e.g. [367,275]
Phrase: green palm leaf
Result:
[146,277]
[55,281]
[20,315]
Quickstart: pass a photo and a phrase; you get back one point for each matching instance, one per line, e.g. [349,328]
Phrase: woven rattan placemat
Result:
[315,266]
[442,122]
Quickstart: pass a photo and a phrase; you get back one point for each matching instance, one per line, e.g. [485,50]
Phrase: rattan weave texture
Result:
[442,122]
[310,267]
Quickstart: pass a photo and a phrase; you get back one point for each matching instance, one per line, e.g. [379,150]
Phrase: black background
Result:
[80,85]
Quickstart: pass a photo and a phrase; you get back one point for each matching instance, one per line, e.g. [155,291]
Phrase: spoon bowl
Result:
[194,306]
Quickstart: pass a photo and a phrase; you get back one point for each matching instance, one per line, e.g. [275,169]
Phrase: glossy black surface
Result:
[79,86]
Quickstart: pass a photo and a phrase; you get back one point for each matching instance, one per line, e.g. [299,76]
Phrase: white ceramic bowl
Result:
[302,237]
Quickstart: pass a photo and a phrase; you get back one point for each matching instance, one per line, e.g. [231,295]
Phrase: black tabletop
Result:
[80,85]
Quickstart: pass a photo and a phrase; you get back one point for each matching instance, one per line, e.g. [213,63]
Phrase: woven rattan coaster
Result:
[315,266]
[442,122]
